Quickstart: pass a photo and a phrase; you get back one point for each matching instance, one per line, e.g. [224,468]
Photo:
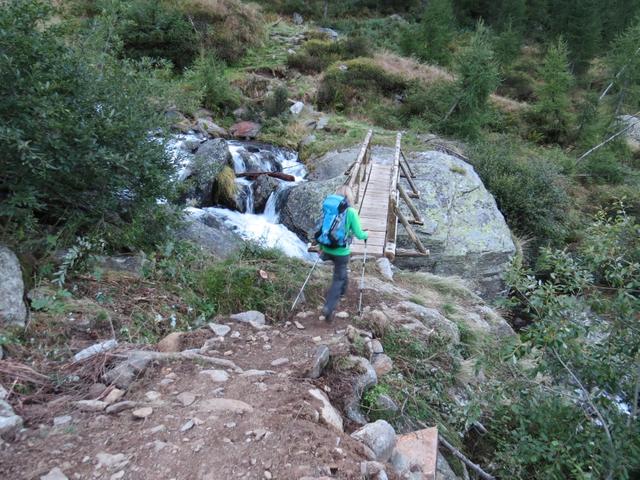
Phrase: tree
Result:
[551,112]
[478,77]
[74,131]
[624,67]
[431,38]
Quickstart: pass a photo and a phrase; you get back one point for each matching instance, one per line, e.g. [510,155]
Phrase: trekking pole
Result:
[364,262]
[295,302]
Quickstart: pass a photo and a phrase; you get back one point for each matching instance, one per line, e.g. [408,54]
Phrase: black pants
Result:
[339,284]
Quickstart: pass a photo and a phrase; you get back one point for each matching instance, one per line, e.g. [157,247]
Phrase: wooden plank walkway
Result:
[374,209]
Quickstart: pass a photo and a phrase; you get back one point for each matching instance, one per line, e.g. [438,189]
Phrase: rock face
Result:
[379,436]
[633,134]
[463,228]
[12,308]
[209,160]
[211,234]
[302,206]
[263,187]
[10,423]
[246,130]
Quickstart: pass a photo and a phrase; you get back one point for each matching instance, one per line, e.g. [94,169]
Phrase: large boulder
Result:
[263,187]
[633,133]
[247,130]
[12,308]
[336,162]
[301,207]
[209,160]
[465,232]
[211,234]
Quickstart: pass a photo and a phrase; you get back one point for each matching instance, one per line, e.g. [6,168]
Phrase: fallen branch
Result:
[186,355]
[611,138]
[458,454]
[279,175]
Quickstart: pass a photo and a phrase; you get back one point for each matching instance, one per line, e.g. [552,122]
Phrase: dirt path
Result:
[203,423]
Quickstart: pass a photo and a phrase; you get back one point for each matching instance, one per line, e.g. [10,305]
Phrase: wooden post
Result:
[413,175]
[355,173]
[392,220]
[417,219]
[415,193]
[411,233]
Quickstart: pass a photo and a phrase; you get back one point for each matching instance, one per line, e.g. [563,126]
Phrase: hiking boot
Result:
[326,316]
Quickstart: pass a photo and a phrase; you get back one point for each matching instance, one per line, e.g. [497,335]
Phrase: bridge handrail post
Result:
[355,179]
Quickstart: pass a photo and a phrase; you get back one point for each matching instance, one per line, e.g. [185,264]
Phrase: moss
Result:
[225,188]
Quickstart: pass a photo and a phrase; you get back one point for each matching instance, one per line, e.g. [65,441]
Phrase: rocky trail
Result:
[240,398]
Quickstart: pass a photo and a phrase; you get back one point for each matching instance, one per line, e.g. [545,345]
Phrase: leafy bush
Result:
[317,55]
[277,102]
[529,189]
[75,138]
[355,81]
[229,27]
[149,28]
[208,78]
[430,39]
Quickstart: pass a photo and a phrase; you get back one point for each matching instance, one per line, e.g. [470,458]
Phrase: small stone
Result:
[382,364]
[252,317]
[298,325]
[218,376]
[317,339]
[110,461]
[187,426]
[171,343]
[55,474]
[379,436]
[158,429]
[186,398]
[219,330]
[228,353]
[153,396]
[91,405]
[142,413]
[121,406]
[376,346]
[384,267]
[279,361]
[62,420]
[117,476]
[224,405]
[319,362]
[113,396]
[342,315]
[230,425]
[235,334]
[267,475]
[328,412]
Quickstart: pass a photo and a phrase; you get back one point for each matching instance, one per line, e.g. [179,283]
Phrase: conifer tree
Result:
[478,77]
[551,112]
[434,34]
[624,65]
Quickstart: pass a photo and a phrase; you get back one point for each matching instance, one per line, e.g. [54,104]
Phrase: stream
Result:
[261,228]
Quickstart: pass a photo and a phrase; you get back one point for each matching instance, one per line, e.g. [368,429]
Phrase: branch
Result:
[593,406]
[476,468]
[612,137]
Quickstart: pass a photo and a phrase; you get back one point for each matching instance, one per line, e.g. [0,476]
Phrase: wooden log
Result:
[415,193]
[417,219]
[413,175]
[392,218]
[253,175]
[404,252]
[410,232]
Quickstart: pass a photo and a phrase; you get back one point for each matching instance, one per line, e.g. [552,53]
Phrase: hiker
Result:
[339,225]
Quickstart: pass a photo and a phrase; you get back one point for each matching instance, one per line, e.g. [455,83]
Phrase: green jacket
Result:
[353,227]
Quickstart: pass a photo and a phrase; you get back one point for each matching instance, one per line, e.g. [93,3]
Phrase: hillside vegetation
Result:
[538,95]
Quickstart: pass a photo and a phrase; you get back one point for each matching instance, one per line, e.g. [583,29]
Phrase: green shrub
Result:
[229,27]
[277,102]
[356,81]
[74,138]
[316,55]
[208,77]
[529,189]
[149,28]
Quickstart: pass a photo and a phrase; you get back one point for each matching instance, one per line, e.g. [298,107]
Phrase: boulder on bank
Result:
[12,308]
[210,159]
[465,232]
[211,234]
[263,187]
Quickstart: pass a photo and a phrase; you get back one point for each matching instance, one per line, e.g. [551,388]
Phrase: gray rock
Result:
[278,362]
[376,346]
[332,164]
[301,207]
[91,405]
[62,420]
[386,404]
[3,393]
[123,263]
[444,470]
[263,187]
[373,471]
[127,371]
[219,330]
[319,362]
[296,108]
[95,350]
[210,234]
[297,19]
[55,474]
[112,461]
[208,127]
[121,407]
[328,413]
[384,267]
[465,232]
[252,317]
[186,398]
[332,34]
[382,364]
[432,319]
[142,413]
[379,436]
[633,134]
[209,160]
[224,405]
[12,308]
[362,382]
[218,376]
[10,423]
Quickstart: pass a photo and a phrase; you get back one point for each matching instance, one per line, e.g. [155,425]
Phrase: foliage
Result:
[75,257]
[208,77]
[316,55]
[353,81]
[149,28]
[584,335]
[277,102]
[624,68]
[228,27]
[430,39]
[551,113]
[74,133]
[529,189]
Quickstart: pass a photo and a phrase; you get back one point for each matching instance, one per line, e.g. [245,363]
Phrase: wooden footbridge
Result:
[378,191]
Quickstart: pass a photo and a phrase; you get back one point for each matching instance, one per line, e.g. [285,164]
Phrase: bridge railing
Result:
[358,174]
